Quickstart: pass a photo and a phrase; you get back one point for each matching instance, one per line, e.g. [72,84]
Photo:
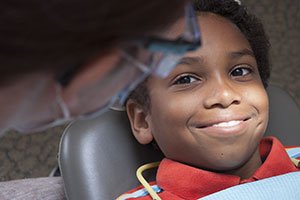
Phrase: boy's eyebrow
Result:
[233,55]
[191,60]
[240,53]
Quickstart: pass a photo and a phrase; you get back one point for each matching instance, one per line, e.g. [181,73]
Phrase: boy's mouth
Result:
[223,123]
[227,124]
[223,127]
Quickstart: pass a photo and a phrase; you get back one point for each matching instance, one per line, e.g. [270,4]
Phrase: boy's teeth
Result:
[227,124]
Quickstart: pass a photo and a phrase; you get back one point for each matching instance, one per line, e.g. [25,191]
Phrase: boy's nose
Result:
[222,95]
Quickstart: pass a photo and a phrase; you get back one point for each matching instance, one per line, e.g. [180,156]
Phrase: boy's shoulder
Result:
[140,193]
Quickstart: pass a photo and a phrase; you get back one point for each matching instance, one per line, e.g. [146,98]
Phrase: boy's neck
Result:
[249,168]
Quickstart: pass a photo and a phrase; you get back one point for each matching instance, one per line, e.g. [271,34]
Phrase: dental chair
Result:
[98,158]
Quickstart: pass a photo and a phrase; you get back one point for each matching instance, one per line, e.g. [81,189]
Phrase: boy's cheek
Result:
[260,102]
[257,96]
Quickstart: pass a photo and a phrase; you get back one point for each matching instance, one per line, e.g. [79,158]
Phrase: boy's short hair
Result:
[249,25]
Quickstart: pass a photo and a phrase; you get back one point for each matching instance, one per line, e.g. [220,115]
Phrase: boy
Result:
[209,115]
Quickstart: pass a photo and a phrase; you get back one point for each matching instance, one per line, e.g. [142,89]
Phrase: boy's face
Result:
[212,110]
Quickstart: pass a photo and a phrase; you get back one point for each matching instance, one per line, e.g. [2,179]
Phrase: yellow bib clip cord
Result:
[142,180]
[296,162]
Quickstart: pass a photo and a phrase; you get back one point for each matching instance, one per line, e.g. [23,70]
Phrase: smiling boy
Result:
[209,115]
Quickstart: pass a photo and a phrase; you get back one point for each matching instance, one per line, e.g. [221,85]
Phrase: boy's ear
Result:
[139,121]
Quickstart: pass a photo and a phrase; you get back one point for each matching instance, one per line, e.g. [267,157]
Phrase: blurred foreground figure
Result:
[64,60]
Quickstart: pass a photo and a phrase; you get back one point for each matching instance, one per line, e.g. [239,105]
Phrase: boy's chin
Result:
[222,168]
[215,166]
[243,168]
[226,169]
[227,166]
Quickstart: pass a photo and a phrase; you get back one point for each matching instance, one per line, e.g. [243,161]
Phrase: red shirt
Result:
[180,181]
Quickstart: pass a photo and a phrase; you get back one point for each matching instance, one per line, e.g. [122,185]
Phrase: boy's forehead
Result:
[212,20]
[219,31]
[175,30]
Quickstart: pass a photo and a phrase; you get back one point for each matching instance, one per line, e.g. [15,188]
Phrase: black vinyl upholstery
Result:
[284,117]
[98,158]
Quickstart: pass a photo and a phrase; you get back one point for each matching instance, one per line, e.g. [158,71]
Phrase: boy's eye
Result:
[241,71]
[186,79]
